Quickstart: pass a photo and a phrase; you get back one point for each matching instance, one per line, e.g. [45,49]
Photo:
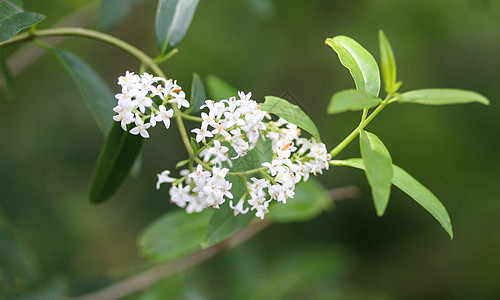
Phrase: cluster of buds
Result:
[136,102]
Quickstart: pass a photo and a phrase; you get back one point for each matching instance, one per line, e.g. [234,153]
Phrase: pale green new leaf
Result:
[96,93]
[442,97]
[14,19]
[351,100]
[389,70]
[219,89]
[173,18]
[174,235]
[290,112]
[378,169]
[412,188]
[359,61]
[309,201]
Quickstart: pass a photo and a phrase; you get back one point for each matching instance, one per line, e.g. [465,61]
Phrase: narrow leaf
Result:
[309,201]
[174,235]
[97,94]
[14,19]
[351,100]
[218,89]
[378,169]
[198,95]
[290,112]
[359,61]
[118,154]
[412,188]
[389,70]
[112,12]
[442,97]
[173,18]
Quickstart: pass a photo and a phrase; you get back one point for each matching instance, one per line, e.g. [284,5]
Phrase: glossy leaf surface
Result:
[389,70]
[290,112]
[174,235]
[219,89]
[363,67]
[351,100]
[442,97]
[378,169]
[14,19]
[173,18]
[198,95]
[117,157]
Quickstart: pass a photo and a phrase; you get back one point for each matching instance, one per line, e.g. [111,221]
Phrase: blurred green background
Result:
[49,144]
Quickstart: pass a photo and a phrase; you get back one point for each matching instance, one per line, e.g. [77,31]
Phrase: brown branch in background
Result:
[144,280]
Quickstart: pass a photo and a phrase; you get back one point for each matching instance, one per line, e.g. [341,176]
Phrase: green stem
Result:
[192,118]
[106,38]
[243,173]
[362,124]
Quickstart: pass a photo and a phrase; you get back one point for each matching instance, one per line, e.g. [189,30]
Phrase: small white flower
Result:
[202,134]
[238,208]
[140,128]
[164,115]
[180,99]
[180,195]
[163,177]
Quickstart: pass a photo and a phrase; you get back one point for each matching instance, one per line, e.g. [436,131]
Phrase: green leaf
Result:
[351,100]
[97,94]
[7,76]
[442,97]
[173,18]
[112,12]
[118,154]
[378,169]
[412,188]
[14,19]
[174,235]
[198,95]
[218,89]
[309,201]
[389,70]
[359,61]
[15,258]
[290,112]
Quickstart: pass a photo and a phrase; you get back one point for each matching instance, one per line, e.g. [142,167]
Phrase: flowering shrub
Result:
[246,160]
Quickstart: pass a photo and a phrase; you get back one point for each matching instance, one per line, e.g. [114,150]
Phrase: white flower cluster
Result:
[294,158]
[136,101]
[238,123]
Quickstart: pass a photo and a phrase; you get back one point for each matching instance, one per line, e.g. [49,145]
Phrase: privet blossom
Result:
[229,130]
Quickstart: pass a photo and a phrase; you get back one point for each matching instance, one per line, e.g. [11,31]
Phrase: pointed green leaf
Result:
[359,61]
[14,19]
[174,235]
[442,97]
[218,89]
[198,95]
[412,188]
[97,94]
[173,18]
[118,154]
[309,201]
[112,12]
[389,70]
[378,169]
[290,112]
[351,100]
